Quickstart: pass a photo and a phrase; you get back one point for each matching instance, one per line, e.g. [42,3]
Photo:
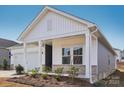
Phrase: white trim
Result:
[90,54]
[97,53]
[25,56]
[87,54]
[28,29]
[40,55]
[71,53]
[58,36]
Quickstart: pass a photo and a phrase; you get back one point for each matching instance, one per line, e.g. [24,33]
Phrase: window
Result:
[49,25]
[77,55]
[66,55]
[72,55]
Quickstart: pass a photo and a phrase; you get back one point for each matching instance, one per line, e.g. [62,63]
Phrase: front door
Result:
[48,56]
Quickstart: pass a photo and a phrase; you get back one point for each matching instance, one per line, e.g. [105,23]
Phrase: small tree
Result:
[73,72]
[34,73]
[58,71]
[19,69]
[46,70]
[44,76]
[5,64]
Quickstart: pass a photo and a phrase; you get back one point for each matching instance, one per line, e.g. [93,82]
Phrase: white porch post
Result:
[40,54]
[25,58]
[87,54]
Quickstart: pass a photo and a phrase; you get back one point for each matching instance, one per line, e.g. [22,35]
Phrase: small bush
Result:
[47,69]
[34,73]
[1,66]
[19,69]
[58,71]
[44,76]
[5,64]
[73,72]
[99,84]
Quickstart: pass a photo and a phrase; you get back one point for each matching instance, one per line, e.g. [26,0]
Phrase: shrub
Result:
[34,73]
[73,72]
[44,76]
[5,64]
[58,71]
[19,69]
[99,84]
[0,66]
[46,69]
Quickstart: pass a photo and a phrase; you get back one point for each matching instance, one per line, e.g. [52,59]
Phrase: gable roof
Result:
[84,21]
[44,11]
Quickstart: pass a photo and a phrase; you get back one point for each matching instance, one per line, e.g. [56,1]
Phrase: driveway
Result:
[8,73]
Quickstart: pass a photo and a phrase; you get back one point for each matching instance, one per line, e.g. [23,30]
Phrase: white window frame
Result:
[66,55]
[80,46]
[72,55]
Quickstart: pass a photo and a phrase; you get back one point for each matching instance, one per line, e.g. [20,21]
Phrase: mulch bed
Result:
[5,83]
[38,81]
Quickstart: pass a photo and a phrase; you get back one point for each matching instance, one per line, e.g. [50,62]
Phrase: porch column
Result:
[87,54]
[40,54]
[25,58]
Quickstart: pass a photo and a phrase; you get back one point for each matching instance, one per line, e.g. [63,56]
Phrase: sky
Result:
[110,20]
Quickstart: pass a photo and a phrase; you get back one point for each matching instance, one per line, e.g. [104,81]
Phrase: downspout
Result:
[89,58]
[90,36]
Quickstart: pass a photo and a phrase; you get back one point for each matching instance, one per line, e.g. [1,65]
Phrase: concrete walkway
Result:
[8,73]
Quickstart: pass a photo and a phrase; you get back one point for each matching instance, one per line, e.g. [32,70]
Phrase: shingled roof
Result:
[4,43]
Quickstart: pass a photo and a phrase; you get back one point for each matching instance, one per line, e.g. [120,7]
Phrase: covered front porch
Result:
[77,50]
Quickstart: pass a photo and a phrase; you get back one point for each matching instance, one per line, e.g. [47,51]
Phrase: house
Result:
[58,39]
[119,54]
[122,56]
[4,52]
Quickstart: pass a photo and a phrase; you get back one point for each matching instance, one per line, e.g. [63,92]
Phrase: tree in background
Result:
[5,64]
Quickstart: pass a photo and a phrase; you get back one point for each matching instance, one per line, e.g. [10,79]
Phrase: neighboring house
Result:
[122,56]
[119,54]
[58,39]
[4,52]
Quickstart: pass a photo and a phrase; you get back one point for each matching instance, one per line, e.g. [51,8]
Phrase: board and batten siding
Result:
[106,61]
[58,44]
[59,25]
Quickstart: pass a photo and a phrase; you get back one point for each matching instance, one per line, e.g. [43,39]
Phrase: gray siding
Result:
[4,53]
[106,61]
